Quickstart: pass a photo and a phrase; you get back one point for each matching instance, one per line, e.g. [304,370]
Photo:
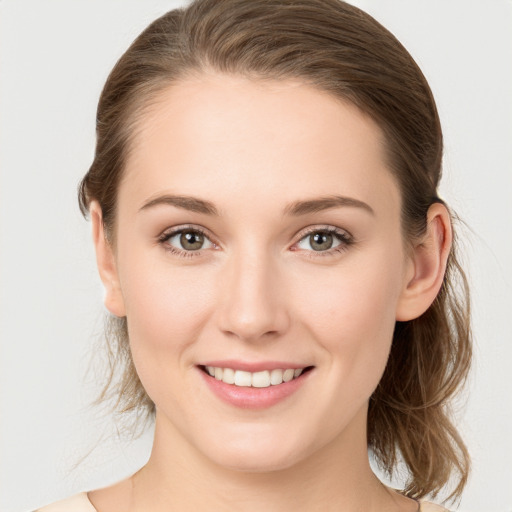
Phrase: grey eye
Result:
[320,241]
[189,240]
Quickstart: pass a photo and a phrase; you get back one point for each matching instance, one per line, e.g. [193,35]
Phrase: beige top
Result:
[77,503]
[80,503]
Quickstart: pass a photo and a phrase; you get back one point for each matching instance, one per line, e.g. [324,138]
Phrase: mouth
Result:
[260,379]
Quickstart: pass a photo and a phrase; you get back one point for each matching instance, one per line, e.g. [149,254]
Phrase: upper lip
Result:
[255,366]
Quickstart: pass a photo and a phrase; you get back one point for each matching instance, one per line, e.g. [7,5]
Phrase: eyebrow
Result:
[297,208]
[192,204]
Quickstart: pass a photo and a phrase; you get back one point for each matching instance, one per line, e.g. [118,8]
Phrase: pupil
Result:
[191,241]
[321,241]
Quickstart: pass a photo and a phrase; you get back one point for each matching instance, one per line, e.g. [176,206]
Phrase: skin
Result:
[257,291]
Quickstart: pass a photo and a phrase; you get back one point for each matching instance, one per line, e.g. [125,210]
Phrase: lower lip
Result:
[253,398]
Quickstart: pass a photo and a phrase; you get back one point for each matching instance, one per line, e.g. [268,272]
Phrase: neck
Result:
[336,477]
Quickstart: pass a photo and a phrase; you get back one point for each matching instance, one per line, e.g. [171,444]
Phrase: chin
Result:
[256,464]
[265,454]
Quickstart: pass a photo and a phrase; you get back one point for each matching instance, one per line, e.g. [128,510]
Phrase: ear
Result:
[105,259]
[426,265]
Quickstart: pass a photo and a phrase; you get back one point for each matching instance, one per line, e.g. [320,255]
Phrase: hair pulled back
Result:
[345,52]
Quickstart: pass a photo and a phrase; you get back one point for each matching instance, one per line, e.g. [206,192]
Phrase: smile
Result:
[253,385]
[262,379]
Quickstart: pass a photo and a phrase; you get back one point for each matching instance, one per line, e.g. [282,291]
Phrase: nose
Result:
[253,305]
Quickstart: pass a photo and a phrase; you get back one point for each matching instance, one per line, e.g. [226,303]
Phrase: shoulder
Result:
[431,507]
[77,503]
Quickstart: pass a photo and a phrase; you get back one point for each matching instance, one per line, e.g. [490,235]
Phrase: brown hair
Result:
[344,51]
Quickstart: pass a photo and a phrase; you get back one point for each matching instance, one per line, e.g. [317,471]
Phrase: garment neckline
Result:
[86,497]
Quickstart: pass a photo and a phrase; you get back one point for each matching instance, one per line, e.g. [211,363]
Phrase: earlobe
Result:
[427,265]
[106,263]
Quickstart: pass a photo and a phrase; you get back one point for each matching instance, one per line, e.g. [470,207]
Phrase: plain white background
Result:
[55,56]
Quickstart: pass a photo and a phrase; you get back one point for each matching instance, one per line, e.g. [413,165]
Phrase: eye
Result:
[186,240]
[327,240]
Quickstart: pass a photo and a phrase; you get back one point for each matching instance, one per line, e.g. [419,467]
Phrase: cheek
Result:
[351,312]
[166,306]
[166,310]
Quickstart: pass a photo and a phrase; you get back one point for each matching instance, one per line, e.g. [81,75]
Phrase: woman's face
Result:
[258,230]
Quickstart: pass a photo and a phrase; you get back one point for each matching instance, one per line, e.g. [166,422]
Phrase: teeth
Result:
[228,376]
[242,378]
[276,377]
[288,375]
[262,379]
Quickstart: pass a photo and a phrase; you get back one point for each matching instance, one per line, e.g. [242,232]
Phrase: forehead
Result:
[233,136]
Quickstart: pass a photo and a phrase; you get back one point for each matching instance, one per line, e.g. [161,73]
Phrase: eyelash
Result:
[343,237]
[167,235]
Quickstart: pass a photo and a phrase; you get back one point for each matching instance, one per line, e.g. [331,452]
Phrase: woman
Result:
[273,249]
